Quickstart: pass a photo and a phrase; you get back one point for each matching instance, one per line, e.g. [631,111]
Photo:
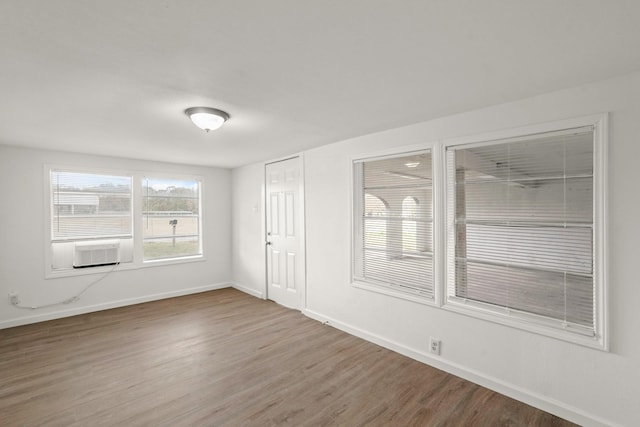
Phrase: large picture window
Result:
[393,245]
[171,218]
[521,228]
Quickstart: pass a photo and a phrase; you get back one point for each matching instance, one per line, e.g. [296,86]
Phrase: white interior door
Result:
[284,239]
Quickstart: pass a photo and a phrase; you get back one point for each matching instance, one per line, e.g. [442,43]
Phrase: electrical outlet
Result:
[13,298]
[434,346]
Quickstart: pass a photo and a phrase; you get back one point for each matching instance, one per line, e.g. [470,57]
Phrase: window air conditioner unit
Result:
[94,254]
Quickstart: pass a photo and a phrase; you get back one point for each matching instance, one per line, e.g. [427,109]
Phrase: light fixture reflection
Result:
[207,118]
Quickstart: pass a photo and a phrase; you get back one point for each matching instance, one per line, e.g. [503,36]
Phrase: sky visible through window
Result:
[164,184]
[86,180]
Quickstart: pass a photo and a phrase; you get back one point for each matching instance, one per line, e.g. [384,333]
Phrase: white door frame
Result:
[301,218]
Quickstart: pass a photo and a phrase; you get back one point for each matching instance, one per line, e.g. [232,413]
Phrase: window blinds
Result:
[89,206]
[394,242]
[520,215]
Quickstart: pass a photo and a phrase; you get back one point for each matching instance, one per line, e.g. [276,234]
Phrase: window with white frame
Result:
[521,229]
[171,218]
[94,217]
[91,215]
[393,245]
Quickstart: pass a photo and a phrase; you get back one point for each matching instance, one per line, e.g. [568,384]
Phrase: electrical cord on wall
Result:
[16,302]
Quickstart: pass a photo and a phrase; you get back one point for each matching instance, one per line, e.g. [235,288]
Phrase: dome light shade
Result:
[207,118]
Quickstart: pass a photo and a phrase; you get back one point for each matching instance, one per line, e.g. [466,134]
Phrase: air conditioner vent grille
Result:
[94,254]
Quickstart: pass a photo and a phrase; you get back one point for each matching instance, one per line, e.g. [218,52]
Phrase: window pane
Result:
[409,226]
[551,294]
[521,218]
[90,206]
[395,222]
[171,214]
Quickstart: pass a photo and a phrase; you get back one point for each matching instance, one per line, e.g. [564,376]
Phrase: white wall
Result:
[22,230]
[588,386]
[247,225]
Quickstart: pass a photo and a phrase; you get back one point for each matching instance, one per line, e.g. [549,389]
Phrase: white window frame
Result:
[137,260]
[356,189]
[533,323]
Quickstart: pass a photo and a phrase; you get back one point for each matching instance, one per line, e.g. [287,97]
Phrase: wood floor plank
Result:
[223,358]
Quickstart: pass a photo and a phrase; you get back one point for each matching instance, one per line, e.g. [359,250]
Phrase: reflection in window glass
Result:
[376,226]
[393,218]
[521,227]
[409,224]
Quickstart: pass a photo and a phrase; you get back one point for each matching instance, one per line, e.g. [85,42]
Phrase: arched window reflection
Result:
[409,224]
[375,232]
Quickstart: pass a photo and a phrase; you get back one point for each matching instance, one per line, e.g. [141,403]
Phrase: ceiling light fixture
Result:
[206,118]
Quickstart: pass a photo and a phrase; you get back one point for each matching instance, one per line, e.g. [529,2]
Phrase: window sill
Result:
[72,272]
[396,292]
[531,323]
[169,261]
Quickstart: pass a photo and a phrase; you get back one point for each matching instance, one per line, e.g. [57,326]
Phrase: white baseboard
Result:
[246,290]
[34,318]
[536,400]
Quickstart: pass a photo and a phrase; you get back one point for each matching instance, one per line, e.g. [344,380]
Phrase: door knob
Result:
[268,243]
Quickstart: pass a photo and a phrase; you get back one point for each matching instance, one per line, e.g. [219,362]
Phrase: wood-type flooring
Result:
[223,358]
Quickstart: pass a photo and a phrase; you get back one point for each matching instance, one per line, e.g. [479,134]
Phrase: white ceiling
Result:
[113,77]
